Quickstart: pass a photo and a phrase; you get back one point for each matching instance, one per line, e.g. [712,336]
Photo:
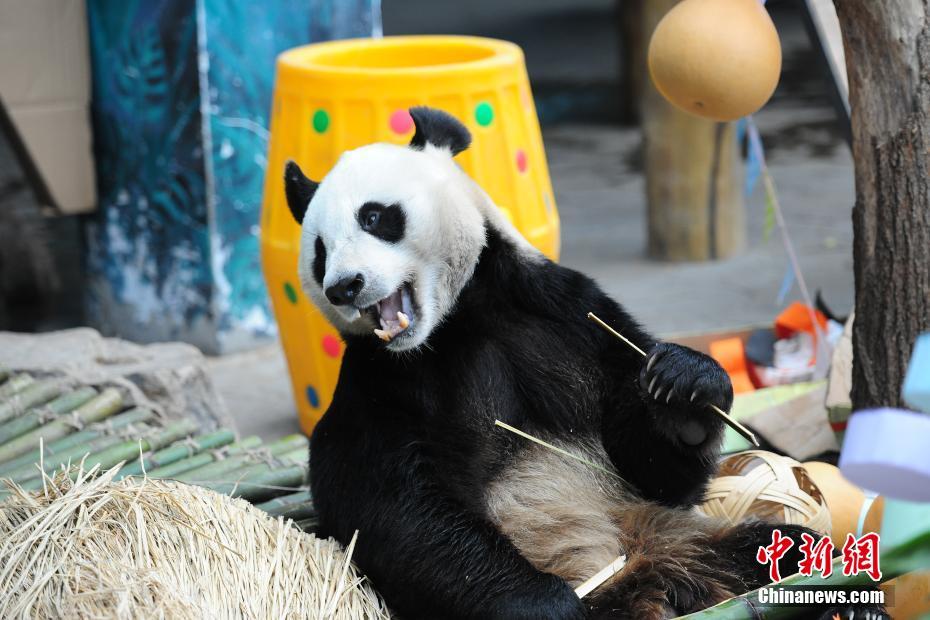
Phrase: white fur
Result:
[445,214]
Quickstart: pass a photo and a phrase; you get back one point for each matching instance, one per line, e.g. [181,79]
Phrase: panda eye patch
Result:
[386,222]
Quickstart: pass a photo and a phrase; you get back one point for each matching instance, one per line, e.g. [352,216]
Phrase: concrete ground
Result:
[598,184]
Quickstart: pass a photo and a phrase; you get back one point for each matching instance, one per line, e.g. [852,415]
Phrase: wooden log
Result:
[36,394]
[101,406]
[177,452]
[57,447]
[204,458]
[37,415]
[693,174]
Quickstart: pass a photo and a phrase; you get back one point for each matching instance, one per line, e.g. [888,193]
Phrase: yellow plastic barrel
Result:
[335,96]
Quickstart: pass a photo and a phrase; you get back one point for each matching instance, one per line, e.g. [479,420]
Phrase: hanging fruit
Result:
[719,59]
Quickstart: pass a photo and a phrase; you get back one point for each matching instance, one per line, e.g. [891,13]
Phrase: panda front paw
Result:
[681,384]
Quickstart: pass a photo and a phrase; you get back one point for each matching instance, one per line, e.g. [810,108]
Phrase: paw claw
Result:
[658,392]
[668,398]
[651,362]
[652,384]
[694,395]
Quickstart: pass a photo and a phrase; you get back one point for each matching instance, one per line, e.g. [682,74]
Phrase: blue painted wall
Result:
[181,95]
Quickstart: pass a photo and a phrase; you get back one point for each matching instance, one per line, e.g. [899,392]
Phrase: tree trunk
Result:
[693,172]
[888,63]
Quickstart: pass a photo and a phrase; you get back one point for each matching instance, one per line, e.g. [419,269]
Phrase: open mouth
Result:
[395,313]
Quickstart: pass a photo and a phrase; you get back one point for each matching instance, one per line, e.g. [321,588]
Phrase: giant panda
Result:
[452,320]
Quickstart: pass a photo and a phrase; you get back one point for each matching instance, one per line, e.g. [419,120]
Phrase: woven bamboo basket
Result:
[767,486]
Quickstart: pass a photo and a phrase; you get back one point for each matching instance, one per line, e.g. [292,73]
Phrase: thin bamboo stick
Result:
[103,405]
[15,384]
[204,458]
[177,452]
[107,427]
[35,394]
[34,417]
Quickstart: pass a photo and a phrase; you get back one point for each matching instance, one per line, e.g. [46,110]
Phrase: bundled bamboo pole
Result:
[220,469]
[72,455]
[126,450]
[37,393]
[296,506]
[102,406]
[58,446]
[205,458]
[284,502]
[36,416]
[177,452]
[255,481]
[122,451]
[15,384]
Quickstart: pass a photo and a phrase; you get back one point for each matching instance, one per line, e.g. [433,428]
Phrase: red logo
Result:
[860,555]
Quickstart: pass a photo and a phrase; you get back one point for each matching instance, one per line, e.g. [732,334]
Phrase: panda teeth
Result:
[383,335]
[403,319]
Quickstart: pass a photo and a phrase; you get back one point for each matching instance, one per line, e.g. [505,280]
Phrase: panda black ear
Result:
[438,128]
[298,189]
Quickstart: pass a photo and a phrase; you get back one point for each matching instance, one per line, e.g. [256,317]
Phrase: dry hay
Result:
[159,549]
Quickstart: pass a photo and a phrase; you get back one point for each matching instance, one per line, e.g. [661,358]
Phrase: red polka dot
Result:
[401,122]
[521,160]
[331,345]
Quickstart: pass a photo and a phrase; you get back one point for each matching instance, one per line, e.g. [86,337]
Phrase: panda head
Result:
[391,235]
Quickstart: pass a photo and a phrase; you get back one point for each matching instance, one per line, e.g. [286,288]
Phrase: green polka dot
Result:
[484,113]
[290,293]
[320,121]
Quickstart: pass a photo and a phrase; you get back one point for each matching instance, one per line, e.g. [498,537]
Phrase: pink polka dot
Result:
[401,122]
[521,160]
[331,345]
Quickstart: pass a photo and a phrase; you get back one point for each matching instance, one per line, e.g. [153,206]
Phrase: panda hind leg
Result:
[672,568]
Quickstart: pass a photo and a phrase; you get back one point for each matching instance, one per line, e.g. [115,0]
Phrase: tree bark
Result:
[693,172]
[887,48]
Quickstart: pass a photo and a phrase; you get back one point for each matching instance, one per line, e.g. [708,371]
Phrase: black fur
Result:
[319,260]
[298,189]
[386,222]
[438,128]
[408,446]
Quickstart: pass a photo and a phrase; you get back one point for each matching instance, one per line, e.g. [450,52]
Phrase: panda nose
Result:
[345,290]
